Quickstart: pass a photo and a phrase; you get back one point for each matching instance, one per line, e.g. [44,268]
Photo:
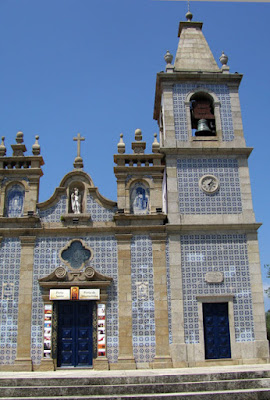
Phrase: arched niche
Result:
[76,198]
[139,198]
[14,200]
[203,114]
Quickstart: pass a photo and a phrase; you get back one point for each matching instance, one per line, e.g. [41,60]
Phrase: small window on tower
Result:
[202,115]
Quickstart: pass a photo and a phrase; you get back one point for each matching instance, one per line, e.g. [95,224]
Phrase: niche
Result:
[76,198]
[202,115]
[14,201]
[139,198]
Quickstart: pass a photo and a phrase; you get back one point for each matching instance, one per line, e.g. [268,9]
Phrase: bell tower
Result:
[213,269]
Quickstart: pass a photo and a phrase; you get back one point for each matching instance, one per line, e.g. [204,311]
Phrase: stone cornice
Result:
[214,298]
[189,24]
[10,221]
[21,172]
[101,199]
[243,151]
[181,228]
[141,218]
[158,237]
[28,240]
[76,172]
[59,191]
[123,237]
[140,172]
[75,231]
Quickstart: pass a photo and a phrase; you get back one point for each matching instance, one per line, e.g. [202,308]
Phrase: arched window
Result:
[139,199]
[14,201]
[202,115]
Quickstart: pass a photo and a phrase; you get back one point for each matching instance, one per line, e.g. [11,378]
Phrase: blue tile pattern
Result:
[169,290]
[193,200]
[105,261]
[224,253]
[14,201]
[54,213]
[180,92]
[99,213]
[143,304]
[10,256]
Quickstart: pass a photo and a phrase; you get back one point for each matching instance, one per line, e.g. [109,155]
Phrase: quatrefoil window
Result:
[76,254]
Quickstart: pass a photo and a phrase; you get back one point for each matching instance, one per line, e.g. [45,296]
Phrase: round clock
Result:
[209,184]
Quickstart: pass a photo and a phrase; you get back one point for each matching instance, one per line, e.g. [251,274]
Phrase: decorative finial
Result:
[19,149]
[121,147]
[138,146]
[189,16]
[168,57]
[36,147]
[2,147]
[78,162]
[19,137]
[155,145]
[224,59]
[138,135]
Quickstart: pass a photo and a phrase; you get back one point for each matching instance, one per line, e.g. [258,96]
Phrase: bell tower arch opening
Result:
[202,114]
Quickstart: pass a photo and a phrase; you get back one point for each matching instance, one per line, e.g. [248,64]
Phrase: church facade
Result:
[167,276]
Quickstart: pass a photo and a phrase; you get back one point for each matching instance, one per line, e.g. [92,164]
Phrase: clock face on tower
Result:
[209,184]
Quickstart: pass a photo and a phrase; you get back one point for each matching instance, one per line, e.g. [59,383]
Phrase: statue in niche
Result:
[76,201]
[15,200]
[140,204]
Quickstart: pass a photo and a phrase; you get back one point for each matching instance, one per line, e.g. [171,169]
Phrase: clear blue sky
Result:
[89,66]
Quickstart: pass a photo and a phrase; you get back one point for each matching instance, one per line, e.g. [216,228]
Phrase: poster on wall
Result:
[101,323]
[47,345]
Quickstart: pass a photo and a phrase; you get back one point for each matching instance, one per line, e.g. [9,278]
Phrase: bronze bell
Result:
[203,128]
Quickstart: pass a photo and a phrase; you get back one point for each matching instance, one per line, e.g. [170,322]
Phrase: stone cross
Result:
[79,139]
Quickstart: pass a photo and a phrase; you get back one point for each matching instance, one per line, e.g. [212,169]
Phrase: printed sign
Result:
[59,294]
[47,343]
[101,315]
[89,294]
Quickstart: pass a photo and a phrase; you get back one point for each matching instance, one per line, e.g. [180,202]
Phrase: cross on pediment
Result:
[78,163]
[79,139]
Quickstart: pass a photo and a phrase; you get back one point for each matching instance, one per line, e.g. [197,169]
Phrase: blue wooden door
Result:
[216,330]
[75,342]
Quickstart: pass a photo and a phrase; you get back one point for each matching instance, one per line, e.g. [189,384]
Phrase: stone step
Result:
[135,379]
[254,394]
[137,389]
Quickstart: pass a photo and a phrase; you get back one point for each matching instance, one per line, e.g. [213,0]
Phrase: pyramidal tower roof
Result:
[193,52]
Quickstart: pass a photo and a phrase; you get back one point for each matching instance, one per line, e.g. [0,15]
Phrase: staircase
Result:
[228,385]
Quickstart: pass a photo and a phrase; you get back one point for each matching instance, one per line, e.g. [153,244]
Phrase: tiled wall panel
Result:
[143,304]
[10,255]
[53,214]
[224,253]
[99,213]
[193,200]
